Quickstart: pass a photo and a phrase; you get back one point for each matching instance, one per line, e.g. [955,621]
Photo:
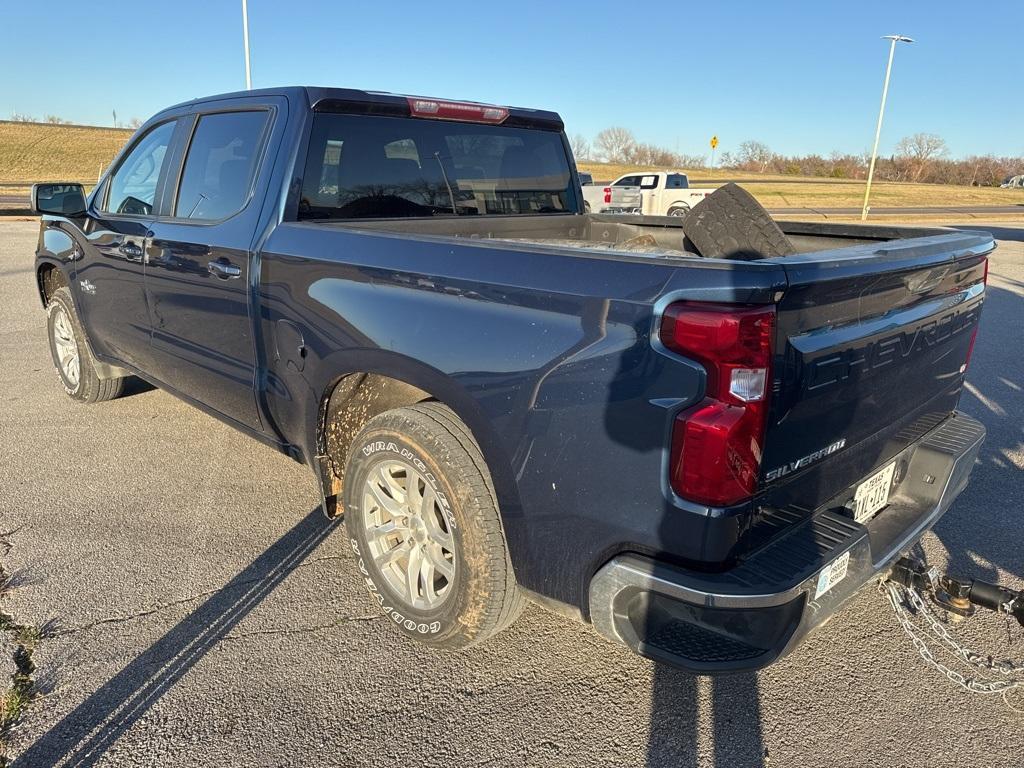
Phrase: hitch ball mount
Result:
[957,596]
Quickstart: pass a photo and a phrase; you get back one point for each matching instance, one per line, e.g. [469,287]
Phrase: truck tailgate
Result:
[627,197]
[871,348]
[604,197]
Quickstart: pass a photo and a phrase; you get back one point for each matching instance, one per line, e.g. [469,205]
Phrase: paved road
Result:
[926,210]
[209,616]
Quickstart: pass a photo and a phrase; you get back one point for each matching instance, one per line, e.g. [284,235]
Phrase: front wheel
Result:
[423,523]
[71,355]
[679,210]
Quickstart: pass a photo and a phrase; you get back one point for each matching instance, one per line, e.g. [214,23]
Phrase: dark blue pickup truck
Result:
[701,452]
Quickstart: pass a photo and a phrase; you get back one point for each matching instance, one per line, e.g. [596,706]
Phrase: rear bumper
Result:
[747,617]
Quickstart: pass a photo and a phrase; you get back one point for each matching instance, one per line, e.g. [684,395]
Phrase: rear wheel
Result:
[423,521]
[70,353]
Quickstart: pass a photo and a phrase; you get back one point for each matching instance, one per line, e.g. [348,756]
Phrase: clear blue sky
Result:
[799,76]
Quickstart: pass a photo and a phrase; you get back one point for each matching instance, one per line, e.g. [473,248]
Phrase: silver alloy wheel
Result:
[408,535]
[66,346]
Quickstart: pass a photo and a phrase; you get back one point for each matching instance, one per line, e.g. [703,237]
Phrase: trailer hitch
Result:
[911,585]
[957,596]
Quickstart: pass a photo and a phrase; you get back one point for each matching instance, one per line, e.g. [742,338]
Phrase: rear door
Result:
[109,272]
[199,269]
[872,346]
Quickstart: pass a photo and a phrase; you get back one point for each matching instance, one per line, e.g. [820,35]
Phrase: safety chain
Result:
[899,596]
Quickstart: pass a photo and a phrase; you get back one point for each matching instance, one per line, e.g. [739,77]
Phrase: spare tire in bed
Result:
[730,224]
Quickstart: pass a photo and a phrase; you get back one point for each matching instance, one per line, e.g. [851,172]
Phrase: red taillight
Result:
[970,348]
[974,333]
[456,110]
[717,444]
[607,194]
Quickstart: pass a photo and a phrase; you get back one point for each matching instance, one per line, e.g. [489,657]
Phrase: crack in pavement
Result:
[120,619]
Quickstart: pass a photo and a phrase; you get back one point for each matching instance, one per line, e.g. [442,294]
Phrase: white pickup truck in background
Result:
[657,193]
[663,193]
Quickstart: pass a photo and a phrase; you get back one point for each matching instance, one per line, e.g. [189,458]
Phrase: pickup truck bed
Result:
[690,453]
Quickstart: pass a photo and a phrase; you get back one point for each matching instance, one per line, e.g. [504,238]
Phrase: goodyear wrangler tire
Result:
[423,523]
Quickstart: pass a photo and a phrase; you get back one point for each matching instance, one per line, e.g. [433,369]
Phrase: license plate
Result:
[873,494]
[832,574]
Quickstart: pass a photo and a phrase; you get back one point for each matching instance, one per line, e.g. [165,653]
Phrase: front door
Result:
[198,264]
[109,272]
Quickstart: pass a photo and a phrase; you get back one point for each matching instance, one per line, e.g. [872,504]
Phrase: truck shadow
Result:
[733,729]
[83,736]
[133,385]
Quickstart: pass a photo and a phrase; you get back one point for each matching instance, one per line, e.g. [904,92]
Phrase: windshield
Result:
[365,166]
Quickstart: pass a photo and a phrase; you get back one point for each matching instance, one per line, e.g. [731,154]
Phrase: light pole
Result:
[245,40]
[881,111]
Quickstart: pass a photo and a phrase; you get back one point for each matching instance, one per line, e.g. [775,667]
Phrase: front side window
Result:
[219,166]
[368,166]
[133,185]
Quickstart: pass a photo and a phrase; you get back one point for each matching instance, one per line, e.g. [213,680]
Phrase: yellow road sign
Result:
[714,142]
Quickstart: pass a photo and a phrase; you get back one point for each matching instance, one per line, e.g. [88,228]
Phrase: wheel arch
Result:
[363,385]
[50,276]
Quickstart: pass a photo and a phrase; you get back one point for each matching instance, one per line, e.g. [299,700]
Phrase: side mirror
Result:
[62,199]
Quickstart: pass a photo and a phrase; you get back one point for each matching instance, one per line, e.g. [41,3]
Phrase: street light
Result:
[881,111]
[245,42]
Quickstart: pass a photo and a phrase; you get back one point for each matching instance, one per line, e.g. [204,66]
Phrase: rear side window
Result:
[368,166]
[219,166]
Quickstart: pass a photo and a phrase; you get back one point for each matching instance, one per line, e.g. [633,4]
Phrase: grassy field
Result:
[777,191]
[39,152]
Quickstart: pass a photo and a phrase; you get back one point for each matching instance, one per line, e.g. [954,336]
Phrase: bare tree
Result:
[755,155]
[691,161]
[580,147]
[17,117]
[918,151]
[649,154]
[614,144]
[135,122]
[56,120]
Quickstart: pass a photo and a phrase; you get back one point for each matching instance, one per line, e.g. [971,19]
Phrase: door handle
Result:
[224,269]
[130,251]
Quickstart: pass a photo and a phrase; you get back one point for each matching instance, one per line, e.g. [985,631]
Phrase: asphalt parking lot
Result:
[200,611]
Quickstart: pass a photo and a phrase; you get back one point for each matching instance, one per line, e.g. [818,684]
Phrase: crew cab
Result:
[701,453]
